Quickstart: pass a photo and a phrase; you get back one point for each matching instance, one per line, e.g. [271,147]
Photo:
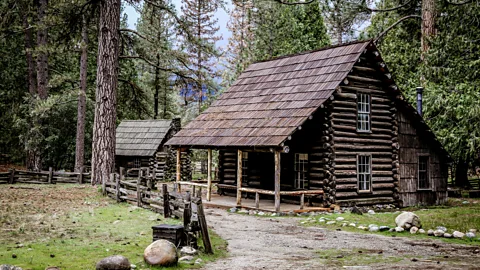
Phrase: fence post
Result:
[117,183]
[80,175]
[166,202]
[139,194]
[149,179]
[187,213]
[12,176]
[203,227]
[50,175]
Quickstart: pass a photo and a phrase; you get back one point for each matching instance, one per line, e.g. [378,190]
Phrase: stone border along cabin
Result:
[329,120]
[140,144]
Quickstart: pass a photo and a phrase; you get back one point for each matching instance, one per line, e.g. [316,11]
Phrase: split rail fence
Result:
[142,192]
[44,177]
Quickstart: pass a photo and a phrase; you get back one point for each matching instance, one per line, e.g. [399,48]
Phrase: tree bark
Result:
[429,14]
[103,148]
[157,86]
[80,141]
[42,58]
[461,174]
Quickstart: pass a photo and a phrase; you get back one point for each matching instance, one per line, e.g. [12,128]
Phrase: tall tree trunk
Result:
[429,14]
[31,76]
[80,142]
[461,173]
[42,58]
[157,86]
[103,147]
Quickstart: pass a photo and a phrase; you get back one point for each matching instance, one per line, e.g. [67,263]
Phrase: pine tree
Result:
[201,36]
[103,152]
[159,27]
[287,29]
[239,53]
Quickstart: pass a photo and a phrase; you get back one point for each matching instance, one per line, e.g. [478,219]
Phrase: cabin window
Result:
[363,112]
[244,166]
[364,173]
[301,163]
[136,163]
[423,178]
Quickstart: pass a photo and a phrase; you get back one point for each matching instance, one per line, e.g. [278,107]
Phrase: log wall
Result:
[412,145]
[380,143]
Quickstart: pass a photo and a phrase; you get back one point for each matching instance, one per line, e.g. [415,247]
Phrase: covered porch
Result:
[248,197]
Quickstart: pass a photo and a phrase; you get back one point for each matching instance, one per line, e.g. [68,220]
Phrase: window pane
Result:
[364,172]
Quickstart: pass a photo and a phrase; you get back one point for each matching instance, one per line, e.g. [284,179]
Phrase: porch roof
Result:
[140,137]
[271,99]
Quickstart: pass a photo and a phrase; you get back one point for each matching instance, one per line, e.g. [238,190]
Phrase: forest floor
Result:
[261,242]
[73,227]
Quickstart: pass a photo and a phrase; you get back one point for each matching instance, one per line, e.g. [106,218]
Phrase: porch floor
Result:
[226,202]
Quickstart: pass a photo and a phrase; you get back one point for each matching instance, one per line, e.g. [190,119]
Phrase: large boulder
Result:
[407,220]
[161,253]
[115,262]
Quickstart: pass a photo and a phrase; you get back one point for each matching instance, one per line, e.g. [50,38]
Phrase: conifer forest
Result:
[71,71]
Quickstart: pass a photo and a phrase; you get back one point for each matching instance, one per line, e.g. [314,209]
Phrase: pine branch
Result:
[172,12]
[393,25]
[136,33]
[294,3]
[388,9]
[459,3]
[176,72]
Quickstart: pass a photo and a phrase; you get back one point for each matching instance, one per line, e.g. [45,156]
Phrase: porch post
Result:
[239,178]
[209,176]
[277,180]
[179,152]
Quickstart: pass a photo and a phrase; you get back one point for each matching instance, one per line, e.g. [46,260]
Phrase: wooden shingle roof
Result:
[140,137]
[271,99]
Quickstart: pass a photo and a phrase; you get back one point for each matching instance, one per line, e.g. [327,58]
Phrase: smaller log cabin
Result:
[140,144]
[330,124]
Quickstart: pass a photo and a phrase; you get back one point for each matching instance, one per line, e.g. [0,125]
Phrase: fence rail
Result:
[43,177]
[141,192]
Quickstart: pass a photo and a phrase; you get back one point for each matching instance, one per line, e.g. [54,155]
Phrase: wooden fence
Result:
[44,177]
[140,192]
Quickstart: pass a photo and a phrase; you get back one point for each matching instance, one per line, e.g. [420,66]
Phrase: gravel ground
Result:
[280,243]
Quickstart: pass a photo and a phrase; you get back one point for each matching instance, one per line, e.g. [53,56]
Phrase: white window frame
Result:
[301,171]
[364,104]
[364,173]
[426,171]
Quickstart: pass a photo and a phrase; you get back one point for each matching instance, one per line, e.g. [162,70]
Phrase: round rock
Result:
[407,220]
[161,253]
[413,230]
[399,229]
[115,262]
[430,232]
[438,233]
[188,251]
[458,234]
[470,235]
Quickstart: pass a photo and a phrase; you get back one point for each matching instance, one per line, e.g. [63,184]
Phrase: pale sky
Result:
[221,15]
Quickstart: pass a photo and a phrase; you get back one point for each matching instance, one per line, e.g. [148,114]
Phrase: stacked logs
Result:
[379,144]
[170,170]
[327,154]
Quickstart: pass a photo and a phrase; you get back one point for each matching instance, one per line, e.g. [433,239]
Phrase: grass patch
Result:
[455,216]
[78,236]
[355,257]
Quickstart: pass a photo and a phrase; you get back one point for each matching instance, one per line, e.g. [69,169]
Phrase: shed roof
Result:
[140,137]
[271,99]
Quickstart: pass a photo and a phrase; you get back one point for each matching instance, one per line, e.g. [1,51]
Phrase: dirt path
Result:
[279,243]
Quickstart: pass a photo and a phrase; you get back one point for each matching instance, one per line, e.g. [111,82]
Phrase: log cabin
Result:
[329,124]
[140,144]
